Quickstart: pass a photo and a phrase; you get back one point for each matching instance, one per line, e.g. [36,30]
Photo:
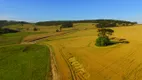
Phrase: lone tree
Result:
[103,37]
[57,30]
[61,28]
[35,29]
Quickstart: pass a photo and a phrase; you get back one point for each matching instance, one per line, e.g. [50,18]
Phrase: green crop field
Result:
[24,62]
[14,38]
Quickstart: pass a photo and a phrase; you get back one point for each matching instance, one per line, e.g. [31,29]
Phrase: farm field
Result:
[49,29]
[79,59]
[15,38]
[76,56]
[24,62]
[70,40]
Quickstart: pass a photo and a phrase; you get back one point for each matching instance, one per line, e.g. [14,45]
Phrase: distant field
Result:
[50,29]
[14,38]
[24,62]
[78,58]
[30,27]
[82,26]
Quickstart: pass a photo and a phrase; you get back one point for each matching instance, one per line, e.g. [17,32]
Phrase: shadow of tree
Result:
[115,40]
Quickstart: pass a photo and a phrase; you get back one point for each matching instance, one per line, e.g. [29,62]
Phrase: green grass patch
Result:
[24,62]
[14,38]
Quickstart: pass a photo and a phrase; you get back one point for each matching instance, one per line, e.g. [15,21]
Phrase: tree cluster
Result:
[7,30]
[36,29]
[114,23]
[6,23]
[103,37]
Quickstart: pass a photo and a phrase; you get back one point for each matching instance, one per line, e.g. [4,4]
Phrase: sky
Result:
[47,10]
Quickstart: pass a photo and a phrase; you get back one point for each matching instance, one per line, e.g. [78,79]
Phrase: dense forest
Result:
[99,22]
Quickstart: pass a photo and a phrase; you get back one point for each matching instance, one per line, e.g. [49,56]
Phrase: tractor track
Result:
[55,74]
[53,65]
[77,70]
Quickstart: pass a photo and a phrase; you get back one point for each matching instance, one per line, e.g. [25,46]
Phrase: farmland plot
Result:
[79,59]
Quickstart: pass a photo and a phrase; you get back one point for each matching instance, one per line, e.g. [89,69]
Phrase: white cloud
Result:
[4,18]
[8,17]
[136,18]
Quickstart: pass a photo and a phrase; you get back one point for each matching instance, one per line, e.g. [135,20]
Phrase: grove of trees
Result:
[103,37]
[6,23]
[6,30]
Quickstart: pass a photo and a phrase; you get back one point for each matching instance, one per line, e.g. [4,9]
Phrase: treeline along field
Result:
[6,22]
[100,22]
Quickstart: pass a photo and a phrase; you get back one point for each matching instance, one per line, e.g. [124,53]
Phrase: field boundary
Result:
[55,74]
[34,40]
[53,64]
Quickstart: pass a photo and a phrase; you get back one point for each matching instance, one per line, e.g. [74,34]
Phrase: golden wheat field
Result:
[78,58]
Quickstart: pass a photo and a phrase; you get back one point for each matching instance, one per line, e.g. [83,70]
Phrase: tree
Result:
[35,29]
[57,30]
[109,32]
[103,37]
[67,25]
[61,28]
[105,32]
[102,41]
